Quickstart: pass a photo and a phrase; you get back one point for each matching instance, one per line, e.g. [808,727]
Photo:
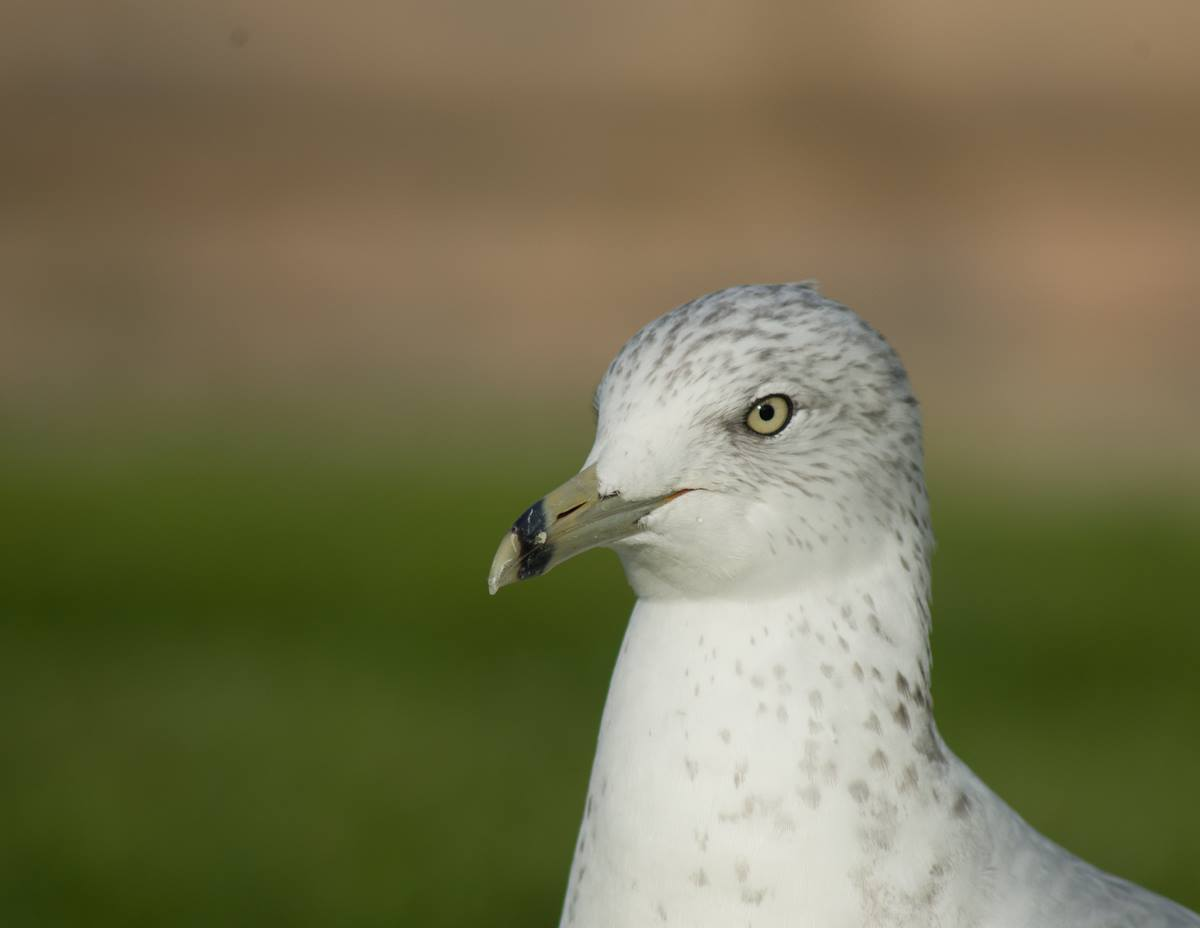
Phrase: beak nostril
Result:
[567,512]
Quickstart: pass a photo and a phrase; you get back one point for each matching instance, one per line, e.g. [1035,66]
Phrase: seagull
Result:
[768,755]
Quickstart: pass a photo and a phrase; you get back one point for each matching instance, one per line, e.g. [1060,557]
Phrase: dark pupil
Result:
[767,412]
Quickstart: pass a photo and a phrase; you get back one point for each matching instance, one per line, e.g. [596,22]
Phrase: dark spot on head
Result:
[902,684]
[962,806]
[901,716]
[860,791]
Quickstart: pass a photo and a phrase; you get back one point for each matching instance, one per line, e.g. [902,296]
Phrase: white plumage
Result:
[768,754]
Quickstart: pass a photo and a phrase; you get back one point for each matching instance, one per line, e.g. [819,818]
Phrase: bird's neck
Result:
[739,739]
[820,664]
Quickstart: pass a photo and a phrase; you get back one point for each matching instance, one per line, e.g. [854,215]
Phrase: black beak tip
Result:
[535,553]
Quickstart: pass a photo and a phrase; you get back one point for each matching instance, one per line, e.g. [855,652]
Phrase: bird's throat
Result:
[740,740]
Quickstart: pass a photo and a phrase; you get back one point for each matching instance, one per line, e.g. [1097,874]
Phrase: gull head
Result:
[753,441]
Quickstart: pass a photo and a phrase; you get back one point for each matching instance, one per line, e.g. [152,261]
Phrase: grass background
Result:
[247,681]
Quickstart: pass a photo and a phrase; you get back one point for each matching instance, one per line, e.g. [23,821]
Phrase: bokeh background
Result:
[301,304]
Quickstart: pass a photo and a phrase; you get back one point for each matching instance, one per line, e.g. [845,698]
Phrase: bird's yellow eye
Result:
[769,415]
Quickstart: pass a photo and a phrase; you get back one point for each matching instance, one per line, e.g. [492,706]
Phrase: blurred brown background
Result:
[301,304]
[349,201]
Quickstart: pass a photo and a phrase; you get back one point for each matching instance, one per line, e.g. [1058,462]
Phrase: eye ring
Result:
[768,415]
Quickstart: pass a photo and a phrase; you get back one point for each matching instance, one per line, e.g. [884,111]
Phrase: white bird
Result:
[768,754]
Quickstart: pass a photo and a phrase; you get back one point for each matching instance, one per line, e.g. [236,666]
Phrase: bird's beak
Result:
[566,522]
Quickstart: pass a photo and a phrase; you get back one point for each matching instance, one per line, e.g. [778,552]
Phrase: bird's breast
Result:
[733,777]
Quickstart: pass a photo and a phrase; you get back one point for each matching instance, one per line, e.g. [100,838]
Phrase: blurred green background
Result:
[301,304]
